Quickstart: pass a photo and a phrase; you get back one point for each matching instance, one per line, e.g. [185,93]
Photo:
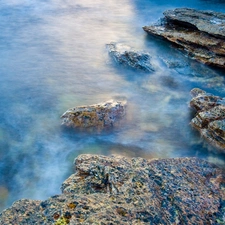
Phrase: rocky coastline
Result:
[119,190]
[200,33]
[113,189]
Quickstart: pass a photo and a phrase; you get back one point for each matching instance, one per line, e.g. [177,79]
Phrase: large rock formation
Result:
[126,56]
[97,116]
[210,116]
[200,33]
[118,190]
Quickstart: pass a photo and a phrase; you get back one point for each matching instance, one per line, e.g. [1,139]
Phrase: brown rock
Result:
[210,22]
[118,190]
[200,33]
[210,117]
[99,116]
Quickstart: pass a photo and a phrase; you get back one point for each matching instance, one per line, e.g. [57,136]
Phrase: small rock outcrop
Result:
[200,33]
[126,56]
[98,116]
[210,117]
[117,190]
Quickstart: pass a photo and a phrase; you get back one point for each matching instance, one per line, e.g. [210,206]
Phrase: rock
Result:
[99,116]
[118,190]
[200,33]
[210,117]
[130,58]
[20,213]
[210,22]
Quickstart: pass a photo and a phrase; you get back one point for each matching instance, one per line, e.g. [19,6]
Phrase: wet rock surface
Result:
[210,117]
[200,33]
[118,190]
[126,56]
[98,116]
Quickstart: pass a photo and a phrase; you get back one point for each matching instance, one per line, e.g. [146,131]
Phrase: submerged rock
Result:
[125,56]
[210,116]
[200,33]
[118,190]
[100,115]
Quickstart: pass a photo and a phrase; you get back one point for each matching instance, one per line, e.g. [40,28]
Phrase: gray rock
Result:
[118,190]
[210,22]
[210,117]
[200,33]
[124,55]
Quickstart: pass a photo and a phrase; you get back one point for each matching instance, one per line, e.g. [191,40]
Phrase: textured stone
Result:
[118,190]
[207,21]
[124,55]
[200,33]
[210,117]
[98,116]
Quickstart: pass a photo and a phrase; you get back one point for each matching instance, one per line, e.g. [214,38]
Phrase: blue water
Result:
[53,57]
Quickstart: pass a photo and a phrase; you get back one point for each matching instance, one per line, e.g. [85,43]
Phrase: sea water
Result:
[53,57]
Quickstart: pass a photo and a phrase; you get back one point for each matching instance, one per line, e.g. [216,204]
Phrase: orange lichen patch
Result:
[100,115]
[72,205]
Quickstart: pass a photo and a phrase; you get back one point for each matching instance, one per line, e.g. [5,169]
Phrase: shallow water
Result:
[53,57]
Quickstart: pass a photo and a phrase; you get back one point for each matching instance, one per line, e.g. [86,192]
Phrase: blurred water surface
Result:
[53,57]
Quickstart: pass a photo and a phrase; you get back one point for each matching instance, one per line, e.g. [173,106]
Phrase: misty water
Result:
[53,57]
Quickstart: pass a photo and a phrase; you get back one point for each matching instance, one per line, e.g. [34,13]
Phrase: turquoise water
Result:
[53,57]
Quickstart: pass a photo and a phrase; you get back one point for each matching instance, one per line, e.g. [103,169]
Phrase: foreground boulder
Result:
[200,33]
[124,55]
[118,190]
[210,117]
[98,116]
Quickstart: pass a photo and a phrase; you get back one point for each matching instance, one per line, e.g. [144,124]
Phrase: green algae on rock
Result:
[119,190]
[210,117]
[101,115]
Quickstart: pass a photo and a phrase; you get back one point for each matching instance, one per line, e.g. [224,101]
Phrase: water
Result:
[53,57]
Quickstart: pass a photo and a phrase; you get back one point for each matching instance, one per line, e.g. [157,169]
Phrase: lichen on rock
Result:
[118,190]
[98,116]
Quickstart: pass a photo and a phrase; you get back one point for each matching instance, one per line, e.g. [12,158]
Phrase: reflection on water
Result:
[53,57]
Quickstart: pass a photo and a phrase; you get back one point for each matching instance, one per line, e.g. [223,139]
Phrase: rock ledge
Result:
[210,117]
[200,33]
[118,190]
